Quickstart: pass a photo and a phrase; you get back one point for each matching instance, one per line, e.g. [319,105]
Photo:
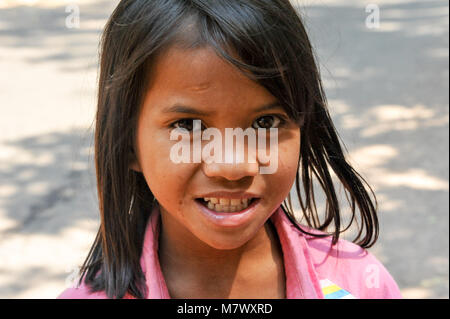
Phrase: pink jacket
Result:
[313,268]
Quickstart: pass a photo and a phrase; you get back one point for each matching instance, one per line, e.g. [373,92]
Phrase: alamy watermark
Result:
[187,151]
[372,276]
[73,19]
[73,277]
[373,19]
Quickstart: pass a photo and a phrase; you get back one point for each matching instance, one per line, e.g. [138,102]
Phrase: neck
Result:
[252,270]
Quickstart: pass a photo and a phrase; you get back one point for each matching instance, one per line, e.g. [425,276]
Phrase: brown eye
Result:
[267,122]
[187,124]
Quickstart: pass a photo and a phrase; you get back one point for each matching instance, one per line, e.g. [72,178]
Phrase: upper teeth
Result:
[226,204]
[226,201]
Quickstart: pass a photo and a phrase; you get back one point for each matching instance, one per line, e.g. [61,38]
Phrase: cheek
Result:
[288,157]
[167,180]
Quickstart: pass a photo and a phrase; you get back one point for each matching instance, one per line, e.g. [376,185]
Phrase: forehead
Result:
[201,74]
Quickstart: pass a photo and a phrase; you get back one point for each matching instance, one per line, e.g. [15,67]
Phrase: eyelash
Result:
[282,120]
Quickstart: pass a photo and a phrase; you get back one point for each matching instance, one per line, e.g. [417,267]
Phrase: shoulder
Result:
[351,267]
[81,292]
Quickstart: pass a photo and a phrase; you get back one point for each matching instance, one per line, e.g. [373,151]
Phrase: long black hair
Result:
[267,41]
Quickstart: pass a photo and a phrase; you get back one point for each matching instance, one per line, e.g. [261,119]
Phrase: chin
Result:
[226,244]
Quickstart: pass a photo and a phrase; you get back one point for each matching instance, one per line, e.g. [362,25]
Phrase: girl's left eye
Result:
[268,121]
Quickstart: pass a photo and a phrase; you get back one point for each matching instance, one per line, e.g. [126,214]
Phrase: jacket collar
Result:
[301,278]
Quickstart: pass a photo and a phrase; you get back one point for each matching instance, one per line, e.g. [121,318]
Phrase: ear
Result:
[134,163]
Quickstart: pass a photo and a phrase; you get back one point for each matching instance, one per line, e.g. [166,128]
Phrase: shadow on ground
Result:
[50,171]
[388,92]
[34,27]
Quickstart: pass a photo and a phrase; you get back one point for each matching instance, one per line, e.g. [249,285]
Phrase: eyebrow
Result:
[190,110]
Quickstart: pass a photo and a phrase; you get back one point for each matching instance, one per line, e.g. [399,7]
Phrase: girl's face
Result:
[221,97]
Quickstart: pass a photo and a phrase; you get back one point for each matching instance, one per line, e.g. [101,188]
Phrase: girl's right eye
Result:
[187,124]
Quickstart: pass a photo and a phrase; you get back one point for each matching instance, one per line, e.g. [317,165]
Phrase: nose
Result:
[232,172]
[238,159]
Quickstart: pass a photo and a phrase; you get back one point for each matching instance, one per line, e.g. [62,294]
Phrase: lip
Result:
[234,219]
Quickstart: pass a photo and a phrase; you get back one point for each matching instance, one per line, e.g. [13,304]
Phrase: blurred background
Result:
[385,68]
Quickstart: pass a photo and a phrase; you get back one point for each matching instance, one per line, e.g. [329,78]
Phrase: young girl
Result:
[213,229]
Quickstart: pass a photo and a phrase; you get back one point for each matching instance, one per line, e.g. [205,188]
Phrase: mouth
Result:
[226,205]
